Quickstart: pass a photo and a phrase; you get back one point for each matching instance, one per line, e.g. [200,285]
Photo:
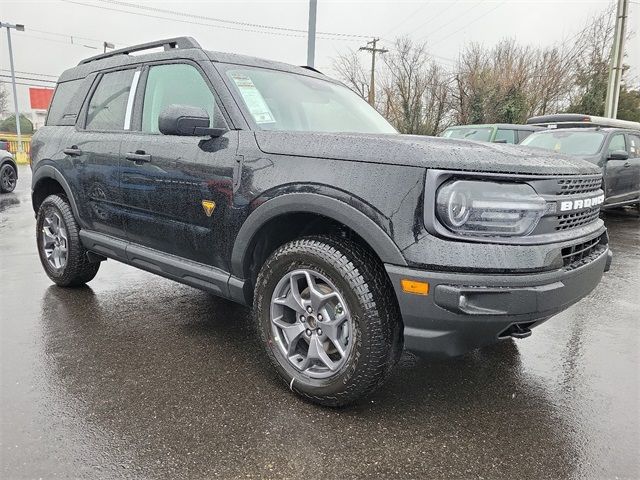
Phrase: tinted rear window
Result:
[108,104]
[61,98]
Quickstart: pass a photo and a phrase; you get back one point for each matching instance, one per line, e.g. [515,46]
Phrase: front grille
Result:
[583,253]
[572,186]
[578,219]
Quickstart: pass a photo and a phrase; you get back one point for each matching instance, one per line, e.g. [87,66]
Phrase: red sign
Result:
[40,98]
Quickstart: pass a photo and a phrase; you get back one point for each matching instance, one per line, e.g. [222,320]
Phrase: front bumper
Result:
[465,311]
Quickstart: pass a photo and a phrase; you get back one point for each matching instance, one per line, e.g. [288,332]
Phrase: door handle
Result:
[138,156]
[73,151]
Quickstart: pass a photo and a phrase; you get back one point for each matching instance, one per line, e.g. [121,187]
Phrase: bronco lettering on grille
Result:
[582,203]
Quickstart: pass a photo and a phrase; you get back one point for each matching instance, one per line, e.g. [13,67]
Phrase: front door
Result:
[614,171]
[178,189]
[633,165]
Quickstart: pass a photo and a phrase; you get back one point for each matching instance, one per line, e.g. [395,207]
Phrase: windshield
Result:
[287,101]
[563,141]
[470,133]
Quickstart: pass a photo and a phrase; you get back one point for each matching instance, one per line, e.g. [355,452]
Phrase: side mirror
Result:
[618,155]
[186,120]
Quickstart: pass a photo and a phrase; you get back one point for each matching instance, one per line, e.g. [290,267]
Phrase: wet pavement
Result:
[139,377]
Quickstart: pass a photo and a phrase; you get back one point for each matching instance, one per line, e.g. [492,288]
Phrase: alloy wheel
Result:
[311,323]
[55,241]
[8,179]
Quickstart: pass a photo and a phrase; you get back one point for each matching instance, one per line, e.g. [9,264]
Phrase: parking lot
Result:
[137,376]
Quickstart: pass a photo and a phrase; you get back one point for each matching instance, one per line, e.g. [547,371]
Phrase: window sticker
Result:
[253,99]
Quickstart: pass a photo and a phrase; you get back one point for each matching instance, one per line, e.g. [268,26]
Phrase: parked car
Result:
[8,172]
[496,132]
[278,187]
[616,151]
[575,120]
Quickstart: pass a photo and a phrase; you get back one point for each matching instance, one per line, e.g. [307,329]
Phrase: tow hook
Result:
[517,331]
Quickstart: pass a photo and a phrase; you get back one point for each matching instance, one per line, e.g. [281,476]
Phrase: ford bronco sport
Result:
[277,187]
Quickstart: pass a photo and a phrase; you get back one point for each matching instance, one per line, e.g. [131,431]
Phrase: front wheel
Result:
[326,313]
[8,178]
[61,253]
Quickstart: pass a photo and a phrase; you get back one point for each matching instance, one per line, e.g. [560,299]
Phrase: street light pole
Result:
[19,28]
[311,34]
[615,64]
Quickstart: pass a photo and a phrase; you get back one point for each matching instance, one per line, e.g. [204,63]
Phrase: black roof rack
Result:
[312,69]
[168,44]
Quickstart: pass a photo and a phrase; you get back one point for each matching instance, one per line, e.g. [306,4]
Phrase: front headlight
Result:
[469,207]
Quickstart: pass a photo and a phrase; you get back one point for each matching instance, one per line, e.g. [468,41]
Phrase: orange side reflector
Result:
[412,286]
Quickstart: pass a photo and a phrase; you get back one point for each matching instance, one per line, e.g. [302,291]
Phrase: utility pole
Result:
[311,33]
[106,45]
[373,50]
[615,65]
[19,28]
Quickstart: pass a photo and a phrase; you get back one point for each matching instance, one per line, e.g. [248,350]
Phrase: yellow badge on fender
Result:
[209,206]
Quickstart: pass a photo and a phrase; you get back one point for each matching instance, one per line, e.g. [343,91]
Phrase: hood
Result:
[422,151]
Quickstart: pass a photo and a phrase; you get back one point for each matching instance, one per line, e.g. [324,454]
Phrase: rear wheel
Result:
[325,311]
[62,255]
[8,178]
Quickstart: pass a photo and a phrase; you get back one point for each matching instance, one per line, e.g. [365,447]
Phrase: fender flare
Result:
[48,171]
[329,207]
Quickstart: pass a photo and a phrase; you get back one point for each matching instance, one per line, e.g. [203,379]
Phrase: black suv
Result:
[234,175]
[615,150]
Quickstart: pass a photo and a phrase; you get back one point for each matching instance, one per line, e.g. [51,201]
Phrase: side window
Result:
[108,104]
[617,143]
[61,99]
[634,146]
[522,134]
[508,135]
[175,84]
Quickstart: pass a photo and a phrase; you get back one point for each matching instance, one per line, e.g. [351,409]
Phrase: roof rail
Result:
[312,69]
[168,44]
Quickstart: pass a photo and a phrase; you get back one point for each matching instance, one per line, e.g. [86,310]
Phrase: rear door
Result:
[615,173]
[178,189]
[93,151]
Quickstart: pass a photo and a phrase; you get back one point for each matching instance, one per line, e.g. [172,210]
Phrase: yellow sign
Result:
[209,206]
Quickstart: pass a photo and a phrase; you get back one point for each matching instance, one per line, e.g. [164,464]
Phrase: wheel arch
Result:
[47,180]
[301,207]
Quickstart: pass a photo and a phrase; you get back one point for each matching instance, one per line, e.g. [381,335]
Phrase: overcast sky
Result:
[45,47]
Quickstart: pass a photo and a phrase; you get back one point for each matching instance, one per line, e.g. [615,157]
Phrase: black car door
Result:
[614,170]
[633,164]
[93,151]
[178,189]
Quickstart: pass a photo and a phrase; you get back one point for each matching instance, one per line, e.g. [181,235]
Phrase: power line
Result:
[67,35]
[221,20]
[30,73]
[446,24]
[224,27]
[413,14]
[29,78]
[27,84]
[431,19]
[467,24]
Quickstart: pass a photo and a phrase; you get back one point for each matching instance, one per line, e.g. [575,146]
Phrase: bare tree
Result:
[351,71]
[415,92]
[4,101]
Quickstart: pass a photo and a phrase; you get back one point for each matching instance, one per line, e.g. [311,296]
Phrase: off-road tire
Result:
[366,288]
[7,168]
[78,270]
